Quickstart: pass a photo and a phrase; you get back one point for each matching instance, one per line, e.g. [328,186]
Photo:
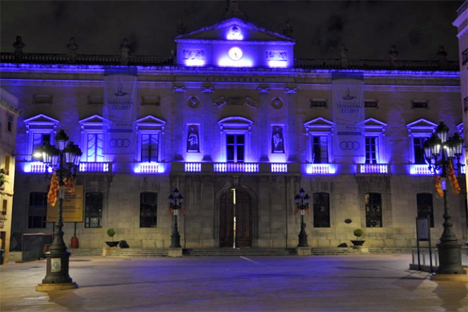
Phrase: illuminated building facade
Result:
[8,119]
[234,110]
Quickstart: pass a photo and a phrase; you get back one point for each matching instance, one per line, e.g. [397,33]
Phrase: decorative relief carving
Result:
[276,55]
[194,54]
[263,90]
[277,103]
[42,99]
[193,102]
[235,101]
[179,89]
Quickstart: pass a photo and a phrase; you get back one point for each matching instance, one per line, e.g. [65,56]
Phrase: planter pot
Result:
[112,244]
[358,242]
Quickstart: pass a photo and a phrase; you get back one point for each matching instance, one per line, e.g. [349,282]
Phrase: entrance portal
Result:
[243,211]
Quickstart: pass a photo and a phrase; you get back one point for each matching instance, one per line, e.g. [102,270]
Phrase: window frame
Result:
[92,125]
[317,221]
[39,124]
[422,129]
[318,127]
[154,223]
[419,204]
[368,215]
[41,207]
[150,125]
[87,211]
[236,125]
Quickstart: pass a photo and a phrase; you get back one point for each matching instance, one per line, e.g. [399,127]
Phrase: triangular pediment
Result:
[421,125]
[150,121]
[318,124]
[41,119]
[226,30]
[95,119]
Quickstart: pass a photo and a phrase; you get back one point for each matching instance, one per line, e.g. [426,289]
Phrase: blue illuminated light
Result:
[420,170]
[320,169]
[280,64]
[192,167]
[94,167]
[235,167]
[373,168]
[195,63]
[225,61]
[149,167]
[279,167]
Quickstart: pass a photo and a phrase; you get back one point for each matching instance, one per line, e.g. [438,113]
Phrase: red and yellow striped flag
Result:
[53,189]
[438,186]
[453,178]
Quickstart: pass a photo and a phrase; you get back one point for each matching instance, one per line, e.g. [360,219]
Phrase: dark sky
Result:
[367,28]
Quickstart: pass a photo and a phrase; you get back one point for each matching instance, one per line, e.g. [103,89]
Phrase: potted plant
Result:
[111,233]
[358,242]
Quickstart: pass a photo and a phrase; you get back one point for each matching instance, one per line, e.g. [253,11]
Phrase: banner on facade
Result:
[348,114]
[119,111]
[72,207]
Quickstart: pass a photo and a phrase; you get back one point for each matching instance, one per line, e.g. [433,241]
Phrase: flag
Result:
[438,186]
[69,185]
[54,187]
[453,178]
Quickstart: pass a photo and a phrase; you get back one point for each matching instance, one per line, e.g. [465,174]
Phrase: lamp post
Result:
[440,152]
[175,204]
[301,201]
[64,159]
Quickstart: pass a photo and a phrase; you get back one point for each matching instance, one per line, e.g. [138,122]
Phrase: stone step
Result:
[214,252]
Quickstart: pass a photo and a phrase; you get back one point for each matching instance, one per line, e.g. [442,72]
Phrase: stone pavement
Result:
[326,283]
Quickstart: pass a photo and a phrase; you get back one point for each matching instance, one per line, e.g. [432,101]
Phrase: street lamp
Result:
[64,159]
[175,204]
[440,152]
[301,201]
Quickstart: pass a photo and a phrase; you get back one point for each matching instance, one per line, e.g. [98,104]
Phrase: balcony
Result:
[235,167]
[373,169]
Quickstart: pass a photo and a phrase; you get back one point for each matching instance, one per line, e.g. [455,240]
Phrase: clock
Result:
[235,54]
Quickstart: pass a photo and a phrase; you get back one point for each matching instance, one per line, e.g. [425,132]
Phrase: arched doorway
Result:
[244,215]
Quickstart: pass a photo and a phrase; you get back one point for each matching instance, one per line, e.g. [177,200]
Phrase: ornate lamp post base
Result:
[57,277]
[450,258]
[175,239]
[303,237]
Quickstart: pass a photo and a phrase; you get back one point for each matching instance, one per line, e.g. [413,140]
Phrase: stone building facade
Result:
[8,119]
[235,115]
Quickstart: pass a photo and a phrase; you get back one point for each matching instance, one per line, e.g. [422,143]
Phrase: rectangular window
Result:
[321,210]
[371,150]
[148,210]
[9,123]
[465,104]
[318,104]
[464,57]
[425,208]
[7,164]
[149,147]
[93,210]
[39,139]
[418,145]
[95,146]
[373,206]
[371,104]
[320,149]
[419,104]
[37,210]
[235,148]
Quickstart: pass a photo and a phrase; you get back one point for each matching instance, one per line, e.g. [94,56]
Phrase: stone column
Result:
[291,99]
[179,121]
[207,126]
[263,129]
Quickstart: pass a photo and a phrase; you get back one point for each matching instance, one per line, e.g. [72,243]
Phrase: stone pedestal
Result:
[175,252]
[303,251]
[109,251]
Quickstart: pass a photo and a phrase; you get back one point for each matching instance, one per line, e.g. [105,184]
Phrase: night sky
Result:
[367,28]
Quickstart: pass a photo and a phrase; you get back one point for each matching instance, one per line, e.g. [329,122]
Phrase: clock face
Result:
[235,54]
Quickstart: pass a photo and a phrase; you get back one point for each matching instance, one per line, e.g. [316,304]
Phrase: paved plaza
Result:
[315,283]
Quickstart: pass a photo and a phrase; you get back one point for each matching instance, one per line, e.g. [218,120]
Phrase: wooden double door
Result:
[242,210]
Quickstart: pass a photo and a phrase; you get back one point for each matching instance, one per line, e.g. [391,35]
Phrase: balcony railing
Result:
[279,168]
[192,167]
[420,170]
[95,167]
[373,169]
[235,167]
[320,169]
